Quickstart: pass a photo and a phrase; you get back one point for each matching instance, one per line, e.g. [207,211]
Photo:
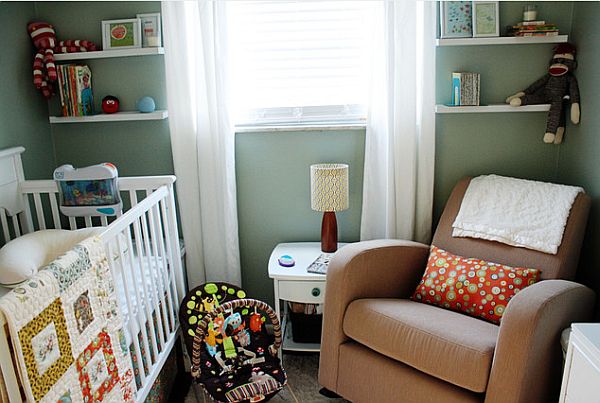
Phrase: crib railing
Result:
[45,206]
[145,239]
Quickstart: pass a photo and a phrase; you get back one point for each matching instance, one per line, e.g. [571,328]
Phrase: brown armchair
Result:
[379,346]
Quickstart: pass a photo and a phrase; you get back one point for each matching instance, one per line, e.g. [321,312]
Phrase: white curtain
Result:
[202,138]
[400,138]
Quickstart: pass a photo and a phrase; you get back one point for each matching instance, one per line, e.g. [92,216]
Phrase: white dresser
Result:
[581,379]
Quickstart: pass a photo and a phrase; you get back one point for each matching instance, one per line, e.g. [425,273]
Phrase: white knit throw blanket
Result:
[516,212]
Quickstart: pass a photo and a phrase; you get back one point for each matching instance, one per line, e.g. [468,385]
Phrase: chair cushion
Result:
[470,285]
[447,345]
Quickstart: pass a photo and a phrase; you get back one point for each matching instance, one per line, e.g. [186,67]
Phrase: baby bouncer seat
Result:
[234,354]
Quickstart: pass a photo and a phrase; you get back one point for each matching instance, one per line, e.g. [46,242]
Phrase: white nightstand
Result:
[582,365]
[297,285]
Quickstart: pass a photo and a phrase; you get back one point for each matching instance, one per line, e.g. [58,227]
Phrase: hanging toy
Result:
[44,39]
[255,322]
[211,340]
[229,347]
[557,87]
[233,324]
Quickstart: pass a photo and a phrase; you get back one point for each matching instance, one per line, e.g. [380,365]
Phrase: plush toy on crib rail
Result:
[44,39]
[555,88]
[89,191]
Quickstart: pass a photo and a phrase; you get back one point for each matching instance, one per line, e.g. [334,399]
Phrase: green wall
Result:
[579,153]
[273,191]
[23,110]
[501,143]
[139,147]
[272,167]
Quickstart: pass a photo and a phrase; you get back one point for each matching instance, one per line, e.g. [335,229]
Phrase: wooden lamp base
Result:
[329,232]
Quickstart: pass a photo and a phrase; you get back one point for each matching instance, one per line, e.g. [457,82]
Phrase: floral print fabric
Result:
[471,286]
[63,323]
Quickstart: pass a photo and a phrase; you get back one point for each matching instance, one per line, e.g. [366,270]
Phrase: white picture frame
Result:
[486,19]
[151,29]
[121,34]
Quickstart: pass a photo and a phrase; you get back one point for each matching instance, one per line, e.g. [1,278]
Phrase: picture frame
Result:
[486,21]
[456,19]
[151,30]
[121,34]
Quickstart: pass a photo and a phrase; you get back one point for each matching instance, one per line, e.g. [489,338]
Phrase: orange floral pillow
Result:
[471,286]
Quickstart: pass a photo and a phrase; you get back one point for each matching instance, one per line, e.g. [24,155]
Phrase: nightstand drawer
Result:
[312,292]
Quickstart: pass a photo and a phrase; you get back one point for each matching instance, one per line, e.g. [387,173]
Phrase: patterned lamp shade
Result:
[329,187]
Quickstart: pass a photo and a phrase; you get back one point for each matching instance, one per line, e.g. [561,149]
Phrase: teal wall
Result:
[23,110]
[501,143]
[139,147]
[580,151]
[273,190]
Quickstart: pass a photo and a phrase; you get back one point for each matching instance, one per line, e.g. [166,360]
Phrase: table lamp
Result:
[329,193]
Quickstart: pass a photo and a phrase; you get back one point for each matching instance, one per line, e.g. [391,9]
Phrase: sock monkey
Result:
[44,39]
[556,87]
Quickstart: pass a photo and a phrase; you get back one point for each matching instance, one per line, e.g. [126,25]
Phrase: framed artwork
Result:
[485,18]
[151,34]
[456,19]
[121,34]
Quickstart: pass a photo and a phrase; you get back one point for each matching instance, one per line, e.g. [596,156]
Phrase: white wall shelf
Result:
[496,108]
[112,117]
[502,40]
[102,54]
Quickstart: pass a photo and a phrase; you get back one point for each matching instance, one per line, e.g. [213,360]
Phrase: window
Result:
[300,62]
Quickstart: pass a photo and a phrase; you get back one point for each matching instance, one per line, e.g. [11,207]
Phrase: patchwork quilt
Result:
[68,333]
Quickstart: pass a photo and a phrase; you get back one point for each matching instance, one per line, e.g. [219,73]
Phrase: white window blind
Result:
[301,61]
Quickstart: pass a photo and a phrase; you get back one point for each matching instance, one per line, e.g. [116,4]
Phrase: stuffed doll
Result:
[554,88]
[44,39]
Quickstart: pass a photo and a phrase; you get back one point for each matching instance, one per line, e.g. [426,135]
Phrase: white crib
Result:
[148,272]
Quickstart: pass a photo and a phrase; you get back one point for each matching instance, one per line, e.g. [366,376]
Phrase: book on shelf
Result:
[533,29]
[75,89]
[537,33]
[465,89]
[526,23]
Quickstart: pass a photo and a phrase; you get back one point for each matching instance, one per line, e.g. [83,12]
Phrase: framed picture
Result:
[121,34]
[456,19]
[485,18]
[151,34]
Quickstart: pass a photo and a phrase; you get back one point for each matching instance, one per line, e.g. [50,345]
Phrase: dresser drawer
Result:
[311,292]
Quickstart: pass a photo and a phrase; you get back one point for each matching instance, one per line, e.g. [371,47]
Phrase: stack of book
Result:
[533,28]
[465,89]
[75,88]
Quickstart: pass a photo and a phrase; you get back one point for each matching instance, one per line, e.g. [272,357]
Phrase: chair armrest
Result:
[370,269]
[528,357]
